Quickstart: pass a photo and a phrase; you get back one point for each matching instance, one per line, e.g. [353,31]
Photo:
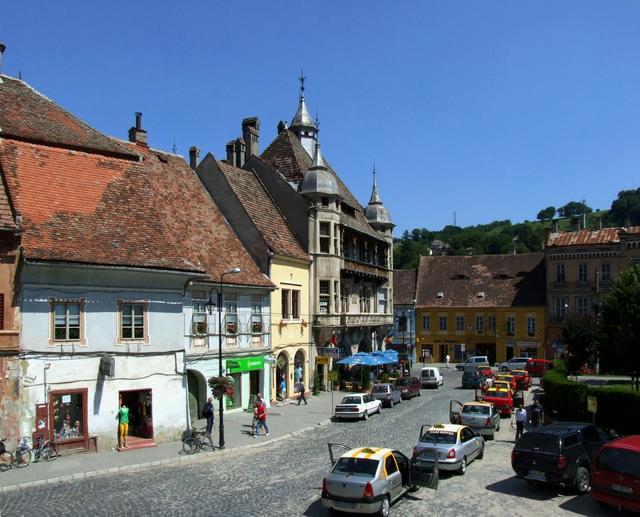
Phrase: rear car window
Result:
[475,409]
[498,394]
[620,460]
[351,400]
[356,467]
[470,375]
[427,373]
[381,389]
[571,440]
[539,441]
[439,437]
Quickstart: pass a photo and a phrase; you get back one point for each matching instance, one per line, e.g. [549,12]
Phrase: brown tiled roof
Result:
[631,230]
[504,280]
[26,114]
[583,237]
[263,211]
[6,215]
[89,208]
[287,155]
[404,286]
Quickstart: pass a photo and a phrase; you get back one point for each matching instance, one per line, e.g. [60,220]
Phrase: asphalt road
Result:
[284,478]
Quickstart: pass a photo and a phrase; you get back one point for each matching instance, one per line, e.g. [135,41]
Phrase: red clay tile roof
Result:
[263,211]
[504,280]
[287,155]
[26,114]
[404,286]
[632,230]
[88,208]
[583,237]
[6,215]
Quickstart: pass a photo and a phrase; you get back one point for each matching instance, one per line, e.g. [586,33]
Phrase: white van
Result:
[430,377]
[473,362]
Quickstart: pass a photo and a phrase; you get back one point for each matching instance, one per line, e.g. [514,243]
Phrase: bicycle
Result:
[6,458]
[44,449]
[195,443]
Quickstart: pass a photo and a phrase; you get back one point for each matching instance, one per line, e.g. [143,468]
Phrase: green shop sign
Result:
[245,364]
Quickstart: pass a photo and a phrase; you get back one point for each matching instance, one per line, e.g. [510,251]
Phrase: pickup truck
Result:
[560,454]
[482,417]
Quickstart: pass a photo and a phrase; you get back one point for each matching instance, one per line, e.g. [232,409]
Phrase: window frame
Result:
[120,340]
[583,273]
[426,322]
[459,323]
[199,302]
[561,273]
[532,326]
[511,324]
[324,299]
[81,340]
[443,323]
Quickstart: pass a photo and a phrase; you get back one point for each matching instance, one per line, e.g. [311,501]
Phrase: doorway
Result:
[444,350]
[197,393]
[254,382]
[282,373]
[140,412]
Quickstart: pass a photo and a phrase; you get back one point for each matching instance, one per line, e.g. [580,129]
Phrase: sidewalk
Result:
[284,421]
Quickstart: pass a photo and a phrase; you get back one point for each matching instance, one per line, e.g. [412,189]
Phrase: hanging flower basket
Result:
[221,386]
[256,327]
[282,324]
[304,323]
[232,328]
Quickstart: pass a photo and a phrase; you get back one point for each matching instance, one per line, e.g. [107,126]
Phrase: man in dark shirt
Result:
[208,413]
[536,414]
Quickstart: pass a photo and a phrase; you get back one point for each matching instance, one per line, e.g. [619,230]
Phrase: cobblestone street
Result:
[284,478]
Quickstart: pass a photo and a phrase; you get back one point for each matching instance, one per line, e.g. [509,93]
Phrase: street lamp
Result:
[233,271]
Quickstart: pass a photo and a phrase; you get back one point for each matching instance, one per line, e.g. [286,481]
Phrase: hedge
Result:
[618,406]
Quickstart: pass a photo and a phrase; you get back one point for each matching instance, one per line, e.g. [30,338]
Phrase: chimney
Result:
[194,155]
[240,150]
[554,226]
[3,47]
[137,135]
[282,125]
[231,152]
[251,135]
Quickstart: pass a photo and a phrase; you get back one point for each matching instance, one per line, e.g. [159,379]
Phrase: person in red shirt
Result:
[261,413]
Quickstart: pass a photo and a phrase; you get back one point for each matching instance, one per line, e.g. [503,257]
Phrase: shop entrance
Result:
[282,372]
[254,382]
[140,412]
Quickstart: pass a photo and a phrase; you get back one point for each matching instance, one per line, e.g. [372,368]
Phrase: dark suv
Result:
[561,453]
[472,379]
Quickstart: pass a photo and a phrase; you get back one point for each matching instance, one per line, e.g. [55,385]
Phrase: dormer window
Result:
[440,294]
[460,276]
[480,295]
[502,276]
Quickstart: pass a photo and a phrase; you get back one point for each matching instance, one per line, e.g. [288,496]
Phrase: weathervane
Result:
[302,79]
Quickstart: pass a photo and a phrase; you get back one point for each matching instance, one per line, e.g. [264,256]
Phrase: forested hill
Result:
[505,237]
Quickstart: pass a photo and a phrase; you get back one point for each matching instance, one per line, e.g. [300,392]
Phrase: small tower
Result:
[376,213]
[318,181]
[302,125]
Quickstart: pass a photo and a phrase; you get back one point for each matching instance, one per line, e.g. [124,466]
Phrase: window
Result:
[336,239]
[231,314]
[511,325]
[402,323]
[66,321]
[560,273]
[382,301]
[325,238]
[582,273]
[479,324]
[605,269]
[199,313]
[460,323]
[132,321]
[324,297]
[560,306]
[442,323]
[491,323]
[426,323]
[295,304]
[531,326]
[256,314]
[286,295]
[390,465]
[583,305]
[570,441]
[325,201]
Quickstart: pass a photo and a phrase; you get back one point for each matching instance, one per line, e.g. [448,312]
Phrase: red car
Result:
[501,399]
[409,387]
[523,379]
[537,367]
[616,474]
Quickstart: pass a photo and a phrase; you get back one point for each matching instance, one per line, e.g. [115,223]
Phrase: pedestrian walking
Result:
[536,414]
[261,413]
[448,359]
[301,391]
[254,422]
[520,419]
[208,413]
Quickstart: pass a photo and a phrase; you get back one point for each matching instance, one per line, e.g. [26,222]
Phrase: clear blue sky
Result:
[492,109]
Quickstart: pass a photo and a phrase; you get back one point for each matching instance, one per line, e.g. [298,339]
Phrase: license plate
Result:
[344,504]
[536,475]
[623,489]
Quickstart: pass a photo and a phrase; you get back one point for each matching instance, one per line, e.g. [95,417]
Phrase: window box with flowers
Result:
[232,327]
[282,325]
[256,327]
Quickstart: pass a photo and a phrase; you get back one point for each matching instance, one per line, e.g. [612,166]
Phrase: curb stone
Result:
[166,461]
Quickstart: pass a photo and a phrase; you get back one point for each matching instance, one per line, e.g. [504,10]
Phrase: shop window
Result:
[67,321]
[199,324]
[69,416]
[133,321]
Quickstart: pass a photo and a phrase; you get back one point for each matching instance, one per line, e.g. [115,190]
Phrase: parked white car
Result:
[430,377]
[515,363]
[358,405]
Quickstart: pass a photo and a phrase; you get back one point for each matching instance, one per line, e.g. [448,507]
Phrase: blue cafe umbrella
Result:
[388,356]
[361,359]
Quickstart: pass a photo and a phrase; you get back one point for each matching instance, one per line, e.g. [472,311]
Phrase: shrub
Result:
[564,399]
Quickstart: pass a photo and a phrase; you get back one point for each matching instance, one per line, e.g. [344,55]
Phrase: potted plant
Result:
[256,327]
[304,323]
[200,328]
[232,327]
[221,386]
[282,324]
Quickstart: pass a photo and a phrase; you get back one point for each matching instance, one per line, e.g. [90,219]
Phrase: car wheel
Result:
[366,415]
[384,507]
[391,403]
[463,467]
[582,482]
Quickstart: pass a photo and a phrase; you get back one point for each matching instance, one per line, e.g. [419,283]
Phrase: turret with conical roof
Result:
[376,213]
[318,180]
[302,125]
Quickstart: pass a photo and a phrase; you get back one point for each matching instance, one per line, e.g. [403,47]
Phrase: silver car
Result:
[482,417]
[387,393]
[455,445]
[370,479]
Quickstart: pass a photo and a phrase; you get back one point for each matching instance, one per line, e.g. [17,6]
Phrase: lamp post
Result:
[233,271]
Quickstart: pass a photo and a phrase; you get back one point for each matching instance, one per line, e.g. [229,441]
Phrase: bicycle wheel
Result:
[49,452]
[189,446]
[6,461]
[21,458]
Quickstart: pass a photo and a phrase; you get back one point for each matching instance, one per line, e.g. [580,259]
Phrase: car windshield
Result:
[621,461]
[356,467]
[433,436]
[498,394]
[351,400]
[539,441]
[403,382]
[380,389]
[469,375]
[476,409]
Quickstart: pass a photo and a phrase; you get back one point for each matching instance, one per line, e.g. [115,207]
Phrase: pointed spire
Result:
[302,117]
[318,161]
[375,196]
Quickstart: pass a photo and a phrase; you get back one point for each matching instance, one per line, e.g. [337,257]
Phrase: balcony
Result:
[366,320]
[326,320]
[355,267]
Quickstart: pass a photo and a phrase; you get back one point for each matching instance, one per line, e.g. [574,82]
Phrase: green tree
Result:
[546,213]
[627,204]
[573,208]
[619,337]
[580,334]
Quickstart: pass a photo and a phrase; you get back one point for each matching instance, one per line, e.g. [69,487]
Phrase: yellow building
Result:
[491,305]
